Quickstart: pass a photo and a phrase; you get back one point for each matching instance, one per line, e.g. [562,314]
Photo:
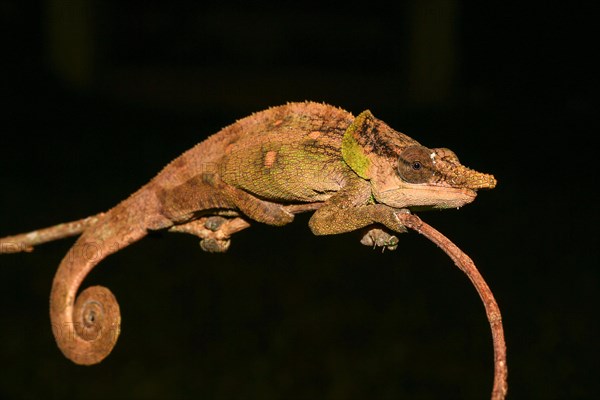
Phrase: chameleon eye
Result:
[415,164]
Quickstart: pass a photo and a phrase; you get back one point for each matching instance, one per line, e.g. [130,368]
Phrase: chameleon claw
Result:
[391,245]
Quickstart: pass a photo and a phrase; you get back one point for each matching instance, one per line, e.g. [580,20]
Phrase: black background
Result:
[86,120]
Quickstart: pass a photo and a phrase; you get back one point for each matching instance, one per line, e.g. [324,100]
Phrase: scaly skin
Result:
[355,172]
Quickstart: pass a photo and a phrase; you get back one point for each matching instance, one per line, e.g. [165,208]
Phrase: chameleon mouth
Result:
[469,192]
[426,197]
[452,197]
[464,195]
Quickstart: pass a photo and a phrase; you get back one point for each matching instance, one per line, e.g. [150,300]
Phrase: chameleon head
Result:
[427,178]
[403,173]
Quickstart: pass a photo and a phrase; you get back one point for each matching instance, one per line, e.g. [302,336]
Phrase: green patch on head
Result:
[353,152]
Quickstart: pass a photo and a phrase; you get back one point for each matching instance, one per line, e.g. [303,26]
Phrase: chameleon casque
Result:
[356,172]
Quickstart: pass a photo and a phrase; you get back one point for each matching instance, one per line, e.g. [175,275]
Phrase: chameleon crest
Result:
[367,139]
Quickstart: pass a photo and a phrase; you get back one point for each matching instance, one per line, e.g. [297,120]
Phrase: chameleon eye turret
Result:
[415,164]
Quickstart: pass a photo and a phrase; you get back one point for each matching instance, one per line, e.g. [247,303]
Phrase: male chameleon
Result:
[356,172]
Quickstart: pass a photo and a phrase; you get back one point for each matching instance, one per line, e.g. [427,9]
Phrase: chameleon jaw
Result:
[426,196]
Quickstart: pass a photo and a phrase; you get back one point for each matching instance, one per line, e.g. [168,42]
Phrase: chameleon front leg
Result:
[350,209]
[331,220]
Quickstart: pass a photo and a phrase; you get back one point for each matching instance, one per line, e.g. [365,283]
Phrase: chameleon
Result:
[355,173]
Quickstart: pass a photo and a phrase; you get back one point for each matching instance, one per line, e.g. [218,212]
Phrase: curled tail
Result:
[86,327]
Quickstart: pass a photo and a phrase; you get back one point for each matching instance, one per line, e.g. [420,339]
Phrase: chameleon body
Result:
[356,172]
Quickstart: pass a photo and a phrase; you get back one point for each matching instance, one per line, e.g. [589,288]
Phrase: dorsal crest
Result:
[368,138]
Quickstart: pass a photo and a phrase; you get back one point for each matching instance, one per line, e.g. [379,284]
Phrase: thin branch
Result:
[465,264]
[26,241]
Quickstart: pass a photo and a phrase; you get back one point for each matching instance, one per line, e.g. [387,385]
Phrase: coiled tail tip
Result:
[87,332]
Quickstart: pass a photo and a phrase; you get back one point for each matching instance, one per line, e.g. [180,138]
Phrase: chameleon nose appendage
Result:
[461,176]
[457,175]
[477,180]
[484,181]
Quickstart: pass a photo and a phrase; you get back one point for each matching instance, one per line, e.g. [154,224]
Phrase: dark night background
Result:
[99,96]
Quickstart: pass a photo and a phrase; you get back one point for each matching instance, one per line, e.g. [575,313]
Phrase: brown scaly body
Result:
[356,172]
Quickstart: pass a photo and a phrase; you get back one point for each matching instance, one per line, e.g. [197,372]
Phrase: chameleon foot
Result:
[212,245]
[377,237]
[214,223]
[214,231]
